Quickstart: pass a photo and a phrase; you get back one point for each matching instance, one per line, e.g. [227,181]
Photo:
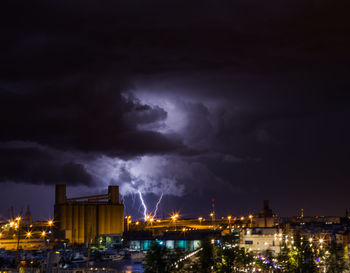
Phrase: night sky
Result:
[237,100]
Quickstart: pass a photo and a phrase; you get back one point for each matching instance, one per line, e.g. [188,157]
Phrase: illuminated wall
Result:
[80,220]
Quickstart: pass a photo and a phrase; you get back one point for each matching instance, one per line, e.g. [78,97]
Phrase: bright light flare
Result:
[174,216]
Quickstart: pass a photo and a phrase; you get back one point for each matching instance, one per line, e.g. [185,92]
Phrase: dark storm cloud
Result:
[83,118]
[38,166]
[261,87]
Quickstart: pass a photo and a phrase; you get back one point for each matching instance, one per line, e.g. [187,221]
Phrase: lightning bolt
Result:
[156,209]
[144,206]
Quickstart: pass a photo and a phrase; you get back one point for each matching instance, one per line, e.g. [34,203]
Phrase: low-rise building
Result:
[261,240]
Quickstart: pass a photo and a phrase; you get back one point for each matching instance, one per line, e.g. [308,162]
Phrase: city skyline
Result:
[178,102]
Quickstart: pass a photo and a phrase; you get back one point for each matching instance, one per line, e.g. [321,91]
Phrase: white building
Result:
[261,240]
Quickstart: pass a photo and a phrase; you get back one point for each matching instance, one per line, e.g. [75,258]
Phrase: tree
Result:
[335,259]
[206,256]
[298,257]
[233,259]
[286,259]
[156,259]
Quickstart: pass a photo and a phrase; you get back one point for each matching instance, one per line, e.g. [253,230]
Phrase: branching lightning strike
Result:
[144,206]
[156,209]
[145,215]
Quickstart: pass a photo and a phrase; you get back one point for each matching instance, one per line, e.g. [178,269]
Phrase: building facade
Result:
[261,240]
[83,219]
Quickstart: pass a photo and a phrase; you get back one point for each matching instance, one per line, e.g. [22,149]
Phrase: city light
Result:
[50,222]
[174,216]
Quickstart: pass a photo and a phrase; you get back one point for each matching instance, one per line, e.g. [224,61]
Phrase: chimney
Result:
[113,194]
[266,204]
[60,196]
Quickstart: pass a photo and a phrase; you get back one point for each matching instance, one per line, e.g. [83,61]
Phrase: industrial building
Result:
[90,218]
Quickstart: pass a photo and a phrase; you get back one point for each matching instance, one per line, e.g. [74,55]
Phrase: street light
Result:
[251,220]
[212,219]
[229,222]
[174,217]
[200,220]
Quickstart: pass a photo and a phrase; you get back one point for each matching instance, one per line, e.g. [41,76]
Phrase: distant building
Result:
[265,217]
[90,218]
[261,240]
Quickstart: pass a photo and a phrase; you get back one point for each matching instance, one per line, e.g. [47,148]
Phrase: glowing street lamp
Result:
[50,223]
[174,218]
[251,219]
[28,234]
[212,219]
[229,222]
[200,220]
